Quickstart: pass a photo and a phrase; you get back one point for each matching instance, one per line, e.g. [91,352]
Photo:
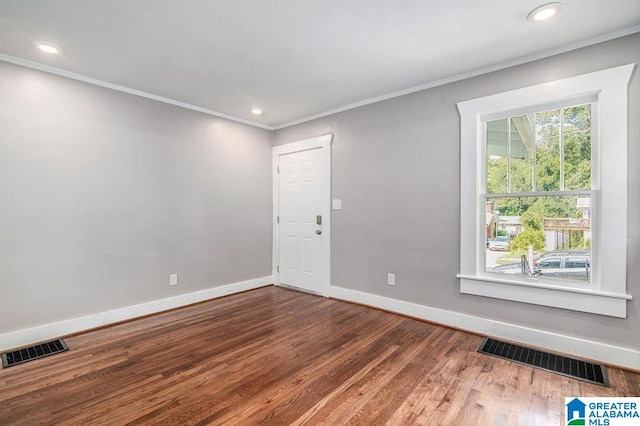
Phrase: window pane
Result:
[557,228]
[497,143]
[548,150]
[521,161]
[576,133]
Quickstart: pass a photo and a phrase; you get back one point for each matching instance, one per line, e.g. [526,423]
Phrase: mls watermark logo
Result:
[602,411]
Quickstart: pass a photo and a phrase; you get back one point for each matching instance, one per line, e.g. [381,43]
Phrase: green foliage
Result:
[528,237]
[575,125]
[497,175]
[547,168]
[543,160]
[533,209]
[515,206]
[532,219]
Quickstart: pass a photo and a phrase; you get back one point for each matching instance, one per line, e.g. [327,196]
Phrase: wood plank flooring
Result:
[277,357]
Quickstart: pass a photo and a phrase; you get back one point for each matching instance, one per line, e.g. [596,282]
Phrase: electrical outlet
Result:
[391,279]
[173,279]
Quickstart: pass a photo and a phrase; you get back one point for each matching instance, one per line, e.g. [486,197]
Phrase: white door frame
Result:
[323,142]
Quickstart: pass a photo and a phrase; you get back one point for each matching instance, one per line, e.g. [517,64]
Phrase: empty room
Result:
[320,212]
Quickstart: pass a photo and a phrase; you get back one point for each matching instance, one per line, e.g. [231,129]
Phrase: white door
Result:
[300,212]
[302,229]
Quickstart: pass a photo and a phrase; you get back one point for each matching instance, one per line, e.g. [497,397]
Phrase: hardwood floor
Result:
[276,356]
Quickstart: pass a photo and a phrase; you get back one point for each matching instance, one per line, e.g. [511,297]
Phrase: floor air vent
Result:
[592,373]
[21,356]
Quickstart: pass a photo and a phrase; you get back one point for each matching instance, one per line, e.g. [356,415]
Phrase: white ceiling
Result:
[295,59]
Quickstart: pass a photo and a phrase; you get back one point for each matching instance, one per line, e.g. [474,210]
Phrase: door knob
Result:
[318,232]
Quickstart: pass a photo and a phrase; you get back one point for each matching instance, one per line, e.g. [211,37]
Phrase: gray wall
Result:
[104,194]
[396,167]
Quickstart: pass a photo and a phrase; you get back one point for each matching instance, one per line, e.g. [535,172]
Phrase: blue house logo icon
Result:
[576,412]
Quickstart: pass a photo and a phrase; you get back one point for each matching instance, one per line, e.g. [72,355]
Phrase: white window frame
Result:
[607,293]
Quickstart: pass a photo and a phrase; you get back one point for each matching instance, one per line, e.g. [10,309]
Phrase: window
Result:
[551,263]
[575,263]
[529,156]
[544,168]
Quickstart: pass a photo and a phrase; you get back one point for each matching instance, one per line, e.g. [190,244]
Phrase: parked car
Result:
[499,243]
[574,266]
[556,253]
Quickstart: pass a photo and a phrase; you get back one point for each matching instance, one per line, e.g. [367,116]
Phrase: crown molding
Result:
[474,73]
[79,77]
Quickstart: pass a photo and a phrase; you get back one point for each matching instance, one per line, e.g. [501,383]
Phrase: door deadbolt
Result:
[318,232]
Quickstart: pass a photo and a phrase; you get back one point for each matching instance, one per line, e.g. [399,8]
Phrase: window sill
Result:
[576,299]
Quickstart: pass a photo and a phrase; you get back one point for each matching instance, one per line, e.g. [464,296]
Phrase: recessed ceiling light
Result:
[256,111]
[544,12]
[49,48]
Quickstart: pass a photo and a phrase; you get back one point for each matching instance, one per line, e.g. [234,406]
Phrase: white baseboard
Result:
[609,354]
[55,330]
